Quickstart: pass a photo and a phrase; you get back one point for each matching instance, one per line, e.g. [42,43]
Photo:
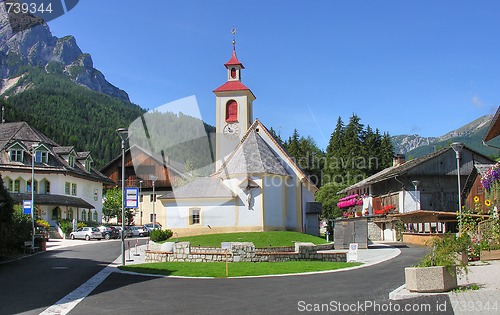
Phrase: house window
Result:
[17,186]
[231,111]
[194,215]
[9,184]
[94,216]
[73,189]
[67,188]
[47,187]
[41,156]
[84,215]
[152,217]
[71,161]
[88,165]
[16,155]
[70,214]
[28,186]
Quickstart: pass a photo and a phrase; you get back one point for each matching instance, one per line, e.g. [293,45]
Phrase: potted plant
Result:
[437,272]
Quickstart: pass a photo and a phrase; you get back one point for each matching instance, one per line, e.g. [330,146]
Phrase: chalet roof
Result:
[50,199]
[401,169]
[398,170]
[170,164]
[82,155]
[253,156]
[494,128]
[23,133]
[63,150]
[202,187]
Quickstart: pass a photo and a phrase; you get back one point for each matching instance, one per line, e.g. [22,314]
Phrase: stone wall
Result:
[374,231]
[183,252]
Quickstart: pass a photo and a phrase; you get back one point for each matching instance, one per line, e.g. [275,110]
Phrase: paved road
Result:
[131,294]
[32,284]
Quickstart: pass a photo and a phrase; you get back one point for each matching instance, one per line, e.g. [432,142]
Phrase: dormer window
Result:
[71,160]
[41,156]
[16,155]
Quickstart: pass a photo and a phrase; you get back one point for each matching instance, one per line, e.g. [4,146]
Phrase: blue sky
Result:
[405,67]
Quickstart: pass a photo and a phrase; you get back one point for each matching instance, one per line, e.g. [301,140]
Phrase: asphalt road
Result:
[32,284]
[362,291]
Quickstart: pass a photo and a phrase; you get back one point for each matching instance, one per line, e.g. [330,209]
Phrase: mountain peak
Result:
[36,46]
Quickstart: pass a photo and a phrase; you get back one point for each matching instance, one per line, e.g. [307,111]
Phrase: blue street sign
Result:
[26,206]
[132,197]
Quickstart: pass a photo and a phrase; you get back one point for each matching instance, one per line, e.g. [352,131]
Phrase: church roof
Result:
[253,156]
[234,61]
[202,187]
[232,86]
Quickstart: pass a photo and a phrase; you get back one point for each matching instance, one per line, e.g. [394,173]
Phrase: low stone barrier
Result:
[244,251]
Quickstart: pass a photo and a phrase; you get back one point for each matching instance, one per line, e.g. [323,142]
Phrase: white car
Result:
[87,233]
[139,231]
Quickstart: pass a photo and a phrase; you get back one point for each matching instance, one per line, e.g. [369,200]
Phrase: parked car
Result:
[109,232]
[128,231]
[139,230]
[149,226]
[87,233]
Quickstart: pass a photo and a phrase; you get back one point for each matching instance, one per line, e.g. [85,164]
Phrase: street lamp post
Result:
[140,199]
[153,179]
[415,184]
[457,147]
[33,152]
[123,134]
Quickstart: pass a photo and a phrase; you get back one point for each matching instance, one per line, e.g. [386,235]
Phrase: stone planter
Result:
[490,254]
[430,279]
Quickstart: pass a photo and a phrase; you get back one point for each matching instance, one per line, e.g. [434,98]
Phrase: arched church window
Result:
[231,111]
[233,73]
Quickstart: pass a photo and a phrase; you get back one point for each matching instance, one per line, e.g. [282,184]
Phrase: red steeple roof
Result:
[234,61]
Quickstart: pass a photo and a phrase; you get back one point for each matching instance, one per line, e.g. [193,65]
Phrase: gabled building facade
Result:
[66,186]
[422,192]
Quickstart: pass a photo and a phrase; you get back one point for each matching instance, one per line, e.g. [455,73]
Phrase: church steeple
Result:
[234,108]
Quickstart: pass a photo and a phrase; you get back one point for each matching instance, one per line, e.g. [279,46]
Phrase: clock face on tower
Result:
[231,131]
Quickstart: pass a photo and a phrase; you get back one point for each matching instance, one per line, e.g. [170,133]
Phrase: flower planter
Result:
[430,279]
[490,254]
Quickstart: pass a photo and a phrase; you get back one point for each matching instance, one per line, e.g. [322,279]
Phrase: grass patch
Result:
[259,239]
[239,269]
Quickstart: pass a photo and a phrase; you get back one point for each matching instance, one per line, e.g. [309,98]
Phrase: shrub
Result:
[160,235]
[66,226]
[81,224]
[42,223]
[444,252]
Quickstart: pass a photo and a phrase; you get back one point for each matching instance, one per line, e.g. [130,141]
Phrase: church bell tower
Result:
[234,109]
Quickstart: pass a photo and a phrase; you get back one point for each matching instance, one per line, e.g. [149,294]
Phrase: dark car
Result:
[110,233]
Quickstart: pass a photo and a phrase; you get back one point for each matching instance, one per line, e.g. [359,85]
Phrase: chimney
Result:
[398,159]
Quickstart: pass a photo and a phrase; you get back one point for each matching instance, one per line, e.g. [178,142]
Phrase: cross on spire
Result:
[233,32]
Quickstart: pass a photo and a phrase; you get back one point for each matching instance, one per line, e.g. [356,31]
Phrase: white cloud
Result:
[476,101]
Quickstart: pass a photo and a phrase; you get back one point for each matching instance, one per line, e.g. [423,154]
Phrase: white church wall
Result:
[273,210]
[247,215]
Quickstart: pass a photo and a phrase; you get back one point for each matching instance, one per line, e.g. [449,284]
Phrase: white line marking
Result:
[67,303]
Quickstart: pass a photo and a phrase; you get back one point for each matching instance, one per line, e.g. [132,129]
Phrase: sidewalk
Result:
[485,300]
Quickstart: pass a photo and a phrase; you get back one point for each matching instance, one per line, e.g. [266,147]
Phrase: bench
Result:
[28,248]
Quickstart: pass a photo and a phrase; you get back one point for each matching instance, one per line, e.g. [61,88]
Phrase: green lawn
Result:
[239,269]
[260,239]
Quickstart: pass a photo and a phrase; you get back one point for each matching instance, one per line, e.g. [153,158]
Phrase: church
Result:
[256,186]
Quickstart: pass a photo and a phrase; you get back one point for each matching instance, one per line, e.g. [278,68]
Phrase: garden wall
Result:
[237,252]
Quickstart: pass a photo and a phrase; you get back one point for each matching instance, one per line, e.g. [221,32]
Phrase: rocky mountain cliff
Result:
[406,143]
[35,46]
